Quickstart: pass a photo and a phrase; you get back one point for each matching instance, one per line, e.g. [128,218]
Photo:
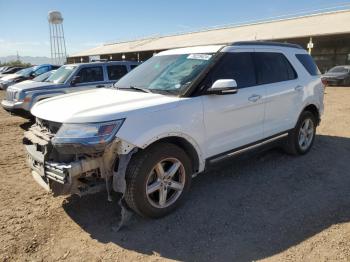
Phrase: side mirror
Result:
[223,87]
[75,80]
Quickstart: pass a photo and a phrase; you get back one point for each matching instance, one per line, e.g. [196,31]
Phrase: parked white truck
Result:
[172,117]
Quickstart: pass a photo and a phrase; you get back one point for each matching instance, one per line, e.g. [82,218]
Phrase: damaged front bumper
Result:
[76,170]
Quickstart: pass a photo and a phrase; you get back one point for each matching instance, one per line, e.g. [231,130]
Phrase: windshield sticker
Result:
[199,56]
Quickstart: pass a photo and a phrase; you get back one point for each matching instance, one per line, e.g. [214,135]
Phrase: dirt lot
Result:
[272,207]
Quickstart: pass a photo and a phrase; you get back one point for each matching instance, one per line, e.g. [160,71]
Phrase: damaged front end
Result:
[77,165]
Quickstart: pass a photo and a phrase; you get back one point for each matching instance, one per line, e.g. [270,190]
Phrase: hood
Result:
[31,85]
[10,77]
[339,75]
[99,105]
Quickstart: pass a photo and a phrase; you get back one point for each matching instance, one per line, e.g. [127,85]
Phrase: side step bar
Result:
[247,148]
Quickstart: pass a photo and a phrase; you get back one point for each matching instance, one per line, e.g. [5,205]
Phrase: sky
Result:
[89,23]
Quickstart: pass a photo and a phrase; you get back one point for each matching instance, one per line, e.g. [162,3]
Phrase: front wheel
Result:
[301,138]
[158,179]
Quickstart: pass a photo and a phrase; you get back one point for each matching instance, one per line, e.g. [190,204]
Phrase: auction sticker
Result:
[199,56]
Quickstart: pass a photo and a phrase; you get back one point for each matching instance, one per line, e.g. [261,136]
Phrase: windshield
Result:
[170,73]
[339,69]
[43,77]
[61,75]
[27,71]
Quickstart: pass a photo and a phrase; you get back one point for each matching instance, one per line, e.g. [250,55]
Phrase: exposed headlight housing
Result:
[87,134]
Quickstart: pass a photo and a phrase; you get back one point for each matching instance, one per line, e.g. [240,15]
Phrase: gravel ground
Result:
[271,207]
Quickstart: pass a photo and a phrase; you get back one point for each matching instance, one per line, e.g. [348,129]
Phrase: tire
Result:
[144,174]
[294,145]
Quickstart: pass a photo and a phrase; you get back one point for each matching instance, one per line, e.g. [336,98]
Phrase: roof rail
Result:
[266,43]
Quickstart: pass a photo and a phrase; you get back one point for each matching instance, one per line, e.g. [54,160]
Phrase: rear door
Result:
[283,91]
[234,120]
[115,72]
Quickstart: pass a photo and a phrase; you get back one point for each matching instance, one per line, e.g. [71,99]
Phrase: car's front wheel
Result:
[158,178]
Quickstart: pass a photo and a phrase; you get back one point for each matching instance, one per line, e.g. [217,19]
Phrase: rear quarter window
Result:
[308,63]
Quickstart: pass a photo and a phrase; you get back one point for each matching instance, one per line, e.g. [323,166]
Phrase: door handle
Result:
[99,86]
[254,98]
[298,88]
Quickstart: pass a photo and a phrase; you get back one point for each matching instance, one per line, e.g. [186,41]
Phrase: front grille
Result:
[50,126]
[10,95]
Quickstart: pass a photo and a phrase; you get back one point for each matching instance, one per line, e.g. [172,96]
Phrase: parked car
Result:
[338,76]
[40,78]
[25,74]
[67,79]
[3,68]
[10,70]
[174,116]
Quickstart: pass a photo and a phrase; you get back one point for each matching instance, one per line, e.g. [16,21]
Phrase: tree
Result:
[16,63]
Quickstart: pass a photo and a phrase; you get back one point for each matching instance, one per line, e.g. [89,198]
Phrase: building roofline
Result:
[220,27]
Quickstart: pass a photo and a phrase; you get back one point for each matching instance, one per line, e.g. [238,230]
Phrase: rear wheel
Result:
[157,180]
[301,138]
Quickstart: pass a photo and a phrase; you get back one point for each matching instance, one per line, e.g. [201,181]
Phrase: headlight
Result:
[87,134]
[6,82]
[16,96]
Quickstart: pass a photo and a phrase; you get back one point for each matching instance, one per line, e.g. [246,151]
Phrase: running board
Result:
[248,148]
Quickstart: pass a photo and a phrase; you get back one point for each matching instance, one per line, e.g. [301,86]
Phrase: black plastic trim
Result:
[220,157]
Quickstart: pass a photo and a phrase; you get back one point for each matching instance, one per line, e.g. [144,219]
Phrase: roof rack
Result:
[266,43]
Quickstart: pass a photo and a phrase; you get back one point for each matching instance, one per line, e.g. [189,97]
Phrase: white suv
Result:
[173,116]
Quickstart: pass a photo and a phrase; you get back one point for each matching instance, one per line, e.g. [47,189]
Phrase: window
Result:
[133,66]
[273,68]
[61,75]
[90,74]
[169,74]
[41,70]
[237,66]
[116,72]
[309,64]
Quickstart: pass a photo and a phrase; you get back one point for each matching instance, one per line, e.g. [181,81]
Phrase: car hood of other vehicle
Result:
[9,77]
[31,85]
[100,105]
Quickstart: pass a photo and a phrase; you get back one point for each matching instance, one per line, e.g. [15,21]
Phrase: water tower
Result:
[57,41]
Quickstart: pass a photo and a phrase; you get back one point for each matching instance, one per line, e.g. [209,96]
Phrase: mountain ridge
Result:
[34,60]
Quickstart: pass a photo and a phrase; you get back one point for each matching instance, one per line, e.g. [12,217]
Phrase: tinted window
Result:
[309,64]
[133,66]
[237,66]
[116,72]
[90,74]
[273,67]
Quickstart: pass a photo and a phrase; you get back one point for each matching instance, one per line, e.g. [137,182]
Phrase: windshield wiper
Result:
[145,90]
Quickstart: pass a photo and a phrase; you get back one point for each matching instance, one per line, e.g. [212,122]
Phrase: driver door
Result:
[89,77]
[234,120]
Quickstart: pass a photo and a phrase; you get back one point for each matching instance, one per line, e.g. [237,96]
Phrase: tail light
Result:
[324,81]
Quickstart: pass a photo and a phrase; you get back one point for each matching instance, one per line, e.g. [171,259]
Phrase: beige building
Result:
[326,34]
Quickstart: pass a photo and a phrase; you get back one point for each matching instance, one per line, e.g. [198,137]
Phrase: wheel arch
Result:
[41,96]
[314,110]
[189,148]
